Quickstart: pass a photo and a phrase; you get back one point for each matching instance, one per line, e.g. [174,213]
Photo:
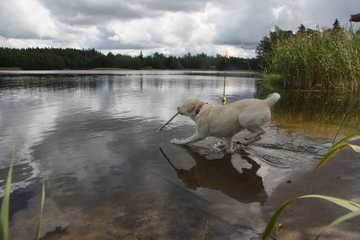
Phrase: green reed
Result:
[323,59]
[5,206]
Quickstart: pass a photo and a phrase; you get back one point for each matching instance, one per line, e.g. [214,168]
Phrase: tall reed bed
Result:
[324,59]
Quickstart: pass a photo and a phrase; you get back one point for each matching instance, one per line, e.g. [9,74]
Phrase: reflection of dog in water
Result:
[220,174]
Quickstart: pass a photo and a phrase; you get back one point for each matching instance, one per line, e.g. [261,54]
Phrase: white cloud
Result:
[25,19]
[168,27]
[277,11]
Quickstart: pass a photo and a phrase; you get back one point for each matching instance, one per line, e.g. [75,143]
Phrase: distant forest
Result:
[57,58]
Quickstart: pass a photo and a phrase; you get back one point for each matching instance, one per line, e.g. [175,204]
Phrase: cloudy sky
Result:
[171,27]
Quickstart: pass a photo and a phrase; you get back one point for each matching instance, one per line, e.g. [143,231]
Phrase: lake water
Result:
[109,174]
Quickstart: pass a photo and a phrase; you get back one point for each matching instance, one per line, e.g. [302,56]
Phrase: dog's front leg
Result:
[229,146]
[189,140]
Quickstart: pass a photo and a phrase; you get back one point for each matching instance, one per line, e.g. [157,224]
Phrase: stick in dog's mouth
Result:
[168,122]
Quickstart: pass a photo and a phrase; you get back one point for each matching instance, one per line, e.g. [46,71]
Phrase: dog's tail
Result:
[272,99]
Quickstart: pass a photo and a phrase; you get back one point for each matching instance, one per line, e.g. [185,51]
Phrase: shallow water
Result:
[92,136]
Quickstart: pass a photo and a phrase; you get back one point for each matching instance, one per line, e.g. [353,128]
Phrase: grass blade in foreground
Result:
[332,152]
[37,234]
[341,219]
[337,147]
[345,139]
[4,212]
[352,206]
[4,219]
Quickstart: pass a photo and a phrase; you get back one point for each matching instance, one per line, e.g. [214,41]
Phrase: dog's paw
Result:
[176,141]
[248,136]
[229,151]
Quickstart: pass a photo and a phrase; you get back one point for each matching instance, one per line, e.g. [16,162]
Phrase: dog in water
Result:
[224,121]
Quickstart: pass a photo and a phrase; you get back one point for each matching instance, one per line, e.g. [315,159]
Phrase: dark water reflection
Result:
[220,174]
[318,114]
[93,139]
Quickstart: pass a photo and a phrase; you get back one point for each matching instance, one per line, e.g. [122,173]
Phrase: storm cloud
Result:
[168,27]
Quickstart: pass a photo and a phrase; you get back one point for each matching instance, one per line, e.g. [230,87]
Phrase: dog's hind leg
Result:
[252,140]
[255,132]
[254,136]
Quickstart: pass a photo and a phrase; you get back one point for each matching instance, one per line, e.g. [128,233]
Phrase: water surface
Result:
[92,137]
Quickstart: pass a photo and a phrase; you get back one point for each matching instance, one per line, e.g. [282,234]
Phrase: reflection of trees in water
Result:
[320,107]
[220,174]
[55,81]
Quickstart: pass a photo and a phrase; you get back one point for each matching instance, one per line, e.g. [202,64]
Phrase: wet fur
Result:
[225,121]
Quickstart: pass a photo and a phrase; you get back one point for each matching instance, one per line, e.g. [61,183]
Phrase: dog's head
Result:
[189,107]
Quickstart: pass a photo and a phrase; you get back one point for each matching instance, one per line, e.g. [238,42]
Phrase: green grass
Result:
[325,59]
[4,212]
[337,147]
[5,206]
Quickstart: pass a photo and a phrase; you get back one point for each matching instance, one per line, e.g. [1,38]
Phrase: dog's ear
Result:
[190,107]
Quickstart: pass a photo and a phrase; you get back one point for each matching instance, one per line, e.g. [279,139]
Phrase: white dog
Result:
[224,121]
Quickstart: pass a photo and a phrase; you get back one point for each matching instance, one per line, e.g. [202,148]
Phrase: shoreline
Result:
[306,218]
[127,72]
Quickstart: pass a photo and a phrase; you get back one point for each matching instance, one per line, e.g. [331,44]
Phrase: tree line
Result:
[69,58]
[306,58]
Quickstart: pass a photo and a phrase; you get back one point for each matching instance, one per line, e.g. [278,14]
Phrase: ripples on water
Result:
[93,138]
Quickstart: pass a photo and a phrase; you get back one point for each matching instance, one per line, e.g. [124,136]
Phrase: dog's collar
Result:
[199,108]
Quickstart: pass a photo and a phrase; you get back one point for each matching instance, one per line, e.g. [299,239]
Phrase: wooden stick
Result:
[168,122]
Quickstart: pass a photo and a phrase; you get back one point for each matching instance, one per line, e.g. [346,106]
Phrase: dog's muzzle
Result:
[178,110]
